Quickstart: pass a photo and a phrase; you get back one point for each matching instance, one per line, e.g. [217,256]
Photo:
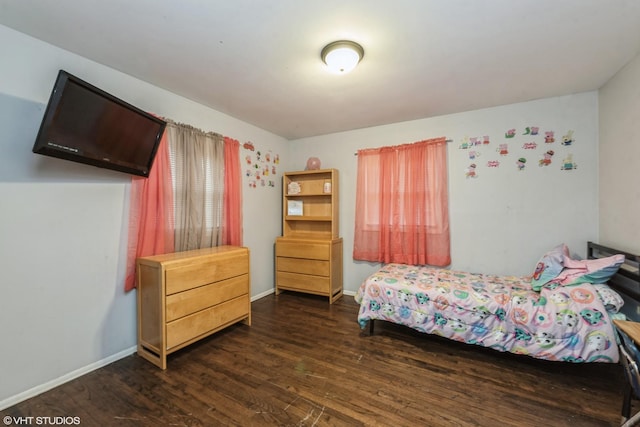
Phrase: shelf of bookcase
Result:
[308,195]
[307,218]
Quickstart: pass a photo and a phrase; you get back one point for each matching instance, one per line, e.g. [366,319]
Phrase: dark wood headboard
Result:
[626,281]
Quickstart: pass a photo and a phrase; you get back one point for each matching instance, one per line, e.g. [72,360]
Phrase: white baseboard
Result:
[270,291]
[263,294]
[13,400]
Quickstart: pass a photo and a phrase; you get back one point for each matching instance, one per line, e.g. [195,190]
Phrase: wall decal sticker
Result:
[567,139]
[471,171]
[549,137]
[260,166]
[546,158]
[568,163]
[521,142]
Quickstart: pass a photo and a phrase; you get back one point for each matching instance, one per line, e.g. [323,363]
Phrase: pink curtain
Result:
[151,229]
[232,205]
[402,207]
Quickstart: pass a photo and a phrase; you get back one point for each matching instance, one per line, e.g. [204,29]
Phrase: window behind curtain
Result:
[197,168]
[402,208]
[192,198]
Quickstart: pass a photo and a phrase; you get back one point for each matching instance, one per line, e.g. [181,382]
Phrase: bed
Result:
[563,311]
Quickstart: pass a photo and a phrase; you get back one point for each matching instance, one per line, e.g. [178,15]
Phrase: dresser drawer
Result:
[302,282]
[220,267]
[303,249]
[303,266]
[206,321]
[184,303]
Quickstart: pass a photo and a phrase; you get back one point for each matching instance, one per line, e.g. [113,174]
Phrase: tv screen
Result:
[87,125]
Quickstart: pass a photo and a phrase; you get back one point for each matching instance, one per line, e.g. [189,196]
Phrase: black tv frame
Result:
[51,149]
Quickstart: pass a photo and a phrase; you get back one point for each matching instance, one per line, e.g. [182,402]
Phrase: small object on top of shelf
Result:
[313,163]
[294,207]
[293,188]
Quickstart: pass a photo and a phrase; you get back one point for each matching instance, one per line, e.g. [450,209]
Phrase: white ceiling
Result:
[259,60]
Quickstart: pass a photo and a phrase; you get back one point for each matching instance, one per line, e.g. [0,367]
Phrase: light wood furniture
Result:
[318,195]
[630,328]
[309,253]
[308,265]
[186,296]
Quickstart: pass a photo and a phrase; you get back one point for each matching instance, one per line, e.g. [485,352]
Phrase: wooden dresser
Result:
[186,296]
[309,265]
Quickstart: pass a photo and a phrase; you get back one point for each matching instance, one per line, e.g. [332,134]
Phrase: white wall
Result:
[619,154]
[63,225]
[503,220]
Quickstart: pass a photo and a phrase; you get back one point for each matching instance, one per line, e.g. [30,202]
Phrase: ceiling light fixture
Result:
[342,56]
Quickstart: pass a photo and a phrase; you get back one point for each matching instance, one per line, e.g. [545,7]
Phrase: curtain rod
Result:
[171,122]
[447,140]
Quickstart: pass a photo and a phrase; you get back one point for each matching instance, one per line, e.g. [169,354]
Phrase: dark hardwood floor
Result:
[304,362]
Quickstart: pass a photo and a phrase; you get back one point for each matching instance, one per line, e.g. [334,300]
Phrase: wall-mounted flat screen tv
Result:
[87,125]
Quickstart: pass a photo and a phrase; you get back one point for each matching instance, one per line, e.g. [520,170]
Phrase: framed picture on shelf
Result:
[294,207]
[293,188]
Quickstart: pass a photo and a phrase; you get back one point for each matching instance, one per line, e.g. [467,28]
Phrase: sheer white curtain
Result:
[197,167]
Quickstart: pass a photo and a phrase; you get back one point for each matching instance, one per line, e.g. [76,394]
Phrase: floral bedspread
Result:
[567,324]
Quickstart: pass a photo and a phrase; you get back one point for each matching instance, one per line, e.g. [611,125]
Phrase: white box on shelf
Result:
[294,207]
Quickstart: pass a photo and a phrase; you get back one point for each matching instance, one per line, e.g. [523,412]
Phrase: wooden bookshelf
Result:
[309,253]
[318,194]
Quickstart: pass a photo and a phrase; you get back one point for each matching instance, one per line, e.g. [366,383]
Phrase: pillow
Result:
[549,266]
[613,302]
[589,270]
